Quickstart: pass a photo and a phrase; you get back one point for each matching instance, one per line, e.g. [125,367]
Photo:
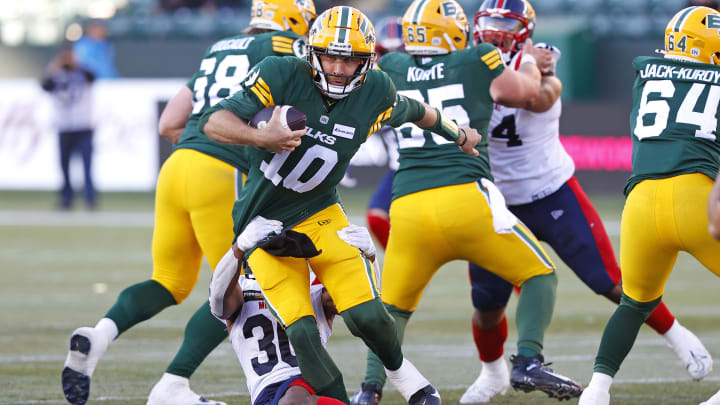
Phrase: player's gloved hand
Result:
[257,230]
[555,56]
[359,237]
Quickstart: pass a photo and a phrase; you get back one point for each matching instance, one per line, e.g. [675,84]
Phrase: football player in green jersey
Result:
[676,156]
[293,177]
[445,206]
[195,193]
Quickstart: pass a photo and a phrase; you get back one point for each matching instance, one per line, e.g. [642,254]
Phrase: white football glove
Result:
[257,230]
[359,237]
[556,54]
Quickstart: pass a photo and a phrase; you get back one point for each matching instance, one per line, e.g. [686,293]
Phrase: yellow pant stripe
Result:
[526,237]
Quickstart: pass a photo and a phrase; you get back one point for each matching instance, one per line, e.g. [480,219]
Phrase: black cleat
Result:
[369,394]
[428,395]
[76,386]
[530,374]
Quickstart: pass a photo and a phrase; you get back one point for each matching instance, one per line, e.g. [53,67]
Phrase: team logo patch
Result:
[252,77]
[713,21]
[324,119]
[343,131]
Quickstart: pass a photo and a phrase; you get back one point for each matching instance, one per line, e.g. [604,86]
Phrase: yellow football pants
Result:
[343,270]
[193,216]
[432,227]
[661,218]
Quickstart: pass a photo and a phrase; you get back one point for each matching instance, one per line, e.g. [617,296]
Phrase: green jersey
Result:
[292,186]
[222,70]
[674,120]
[459,85]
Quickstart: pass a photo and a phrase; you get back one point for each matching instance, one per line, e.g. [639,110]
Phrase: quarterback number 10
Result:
[686,114]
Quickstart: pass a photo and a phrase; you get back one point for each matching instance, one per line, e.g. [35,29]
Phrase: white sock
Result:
[600,381]
[674,334]
[495,367]
[172,378]
[107,329]
[407,379]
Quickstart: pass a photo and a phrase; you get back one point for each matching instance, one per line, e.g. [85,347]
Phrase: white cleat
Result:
[689,349]
[594,396]
[175,390]
[494,379]
[714,400]
[86,347]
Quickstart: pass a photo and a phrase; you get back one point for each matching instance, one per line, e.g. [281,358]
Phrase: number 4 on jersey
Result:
[507,130]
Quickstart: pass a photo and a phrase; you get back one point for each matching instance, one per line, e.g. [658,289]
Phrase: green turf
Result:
[56,278]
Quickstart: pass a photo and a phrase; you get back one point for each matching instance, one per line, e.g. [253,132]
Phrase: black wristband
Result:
[464,140]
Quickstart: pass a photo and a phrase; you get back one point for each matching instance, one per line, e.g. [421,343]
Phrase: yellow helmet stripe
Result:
[419,10]
[682,18]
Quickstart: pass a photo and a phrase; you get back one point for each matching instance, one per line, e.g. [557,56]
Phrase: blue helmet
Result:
[389,36]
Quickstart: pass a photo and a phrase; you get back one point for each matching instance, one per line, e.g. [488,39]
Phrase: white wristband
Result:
[527,58]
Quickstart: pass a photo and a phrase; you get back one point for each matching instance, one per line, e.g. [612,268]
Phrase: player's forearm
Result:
[433,120]
[225,127]
[714,209]
[550,89]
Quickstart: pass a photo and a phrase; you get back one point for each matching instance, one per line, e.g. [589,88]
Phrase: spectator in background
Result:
[71,88]
[95,52]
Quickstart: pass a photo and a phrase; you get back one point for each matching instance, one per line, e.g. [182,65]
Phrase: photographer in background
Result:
[70,86]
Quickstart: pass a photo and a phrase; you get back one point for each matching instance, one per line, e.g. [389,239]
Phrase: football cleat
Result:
[86,348]
[690,350]
[530,374]
[713,400]
[175,390]
[428,395]
[369,394]
[488,384]
[594,396]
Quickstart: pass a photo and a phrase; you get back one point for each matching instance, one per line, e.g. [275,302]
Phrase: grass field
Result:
[59,271]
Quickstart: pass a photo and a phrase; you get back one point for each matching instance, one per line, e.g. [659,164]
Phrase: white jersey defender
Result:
[527,159]
[261,345]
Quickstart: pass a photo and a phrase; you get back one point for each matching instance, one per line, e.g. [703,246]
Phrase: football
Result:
[290,117]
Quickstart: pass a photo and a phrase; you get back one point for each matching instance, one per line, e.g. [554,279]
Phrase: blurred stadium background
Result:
[60,270]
